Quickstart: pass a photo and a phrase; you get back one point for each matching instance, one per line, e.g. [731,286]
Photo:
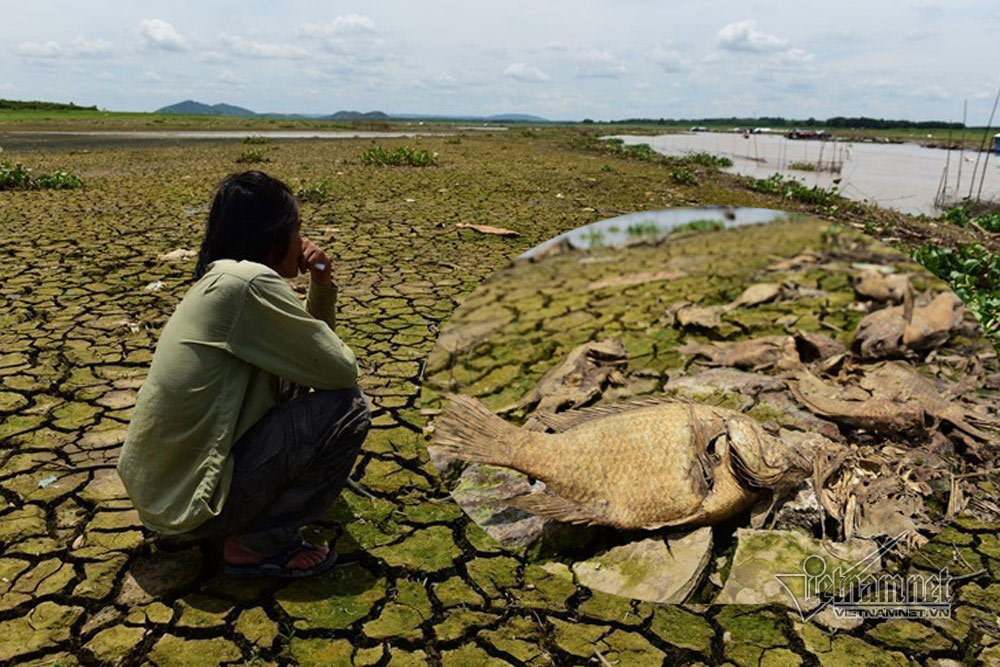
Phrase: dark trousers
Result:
[290,466]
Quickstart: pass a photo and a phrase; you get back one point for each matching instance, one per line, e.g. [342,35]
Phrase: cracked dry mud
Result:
[81,582]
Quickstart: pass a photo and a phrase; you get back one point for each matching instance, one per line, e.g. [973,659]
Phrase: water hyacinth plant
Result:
[15,176]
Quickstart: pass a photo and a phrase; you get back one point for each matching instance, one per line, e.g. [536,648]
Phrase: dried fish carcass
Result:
[643,464]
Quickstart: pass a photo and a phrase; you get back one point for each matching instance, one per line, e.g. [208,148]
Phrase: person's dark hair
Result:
[253,216]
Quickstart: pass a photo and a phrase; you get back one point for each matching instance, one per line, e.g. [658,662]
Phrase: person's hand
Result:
[312,255]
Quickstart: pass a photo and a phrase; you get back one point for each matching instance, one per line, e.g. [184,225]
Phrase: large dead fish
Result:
[643,464]
[875,285]
[781,352]
[892,330]
[875,413]
[901,382]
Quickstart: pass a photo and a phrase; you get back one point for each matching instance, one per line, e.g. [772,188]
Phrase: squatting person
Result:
[226,441]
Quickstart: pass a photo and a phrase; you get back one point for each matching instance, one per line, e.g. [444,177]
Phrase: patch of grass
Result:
[15,176]
[453,140]
[616,147]
[641,151]
[699,226]
[802,166]
[316,193]
[973,272]
[683,176]
[645,228]
[252,156]
[256,139]
[703,159]
[402,156]
[789,188]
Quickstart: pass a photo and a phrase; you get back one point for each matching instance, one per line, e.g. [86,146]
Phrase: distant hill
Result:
[357,115]
[191,107]
[201,109]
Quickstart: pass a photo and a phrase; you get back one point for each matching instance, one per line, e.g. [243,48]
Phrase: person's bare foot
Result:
[235,553]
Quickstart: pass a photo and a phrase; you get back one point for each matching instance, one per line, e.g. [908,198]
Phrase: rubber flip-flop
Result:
[275,566]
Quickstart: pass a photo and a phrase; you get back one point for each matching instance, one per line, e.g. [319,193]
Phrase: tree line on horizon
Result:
[854,122]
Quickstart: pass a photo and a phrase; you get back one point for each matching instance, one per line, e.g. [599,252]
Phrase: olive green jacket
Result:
[214,374]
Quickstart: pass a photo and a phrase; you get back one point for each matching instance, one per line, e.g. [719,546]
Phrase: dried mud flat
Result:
[81,582]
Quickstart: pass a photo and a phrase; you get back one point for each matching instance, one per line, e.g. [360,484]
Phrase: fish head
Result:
[762,461]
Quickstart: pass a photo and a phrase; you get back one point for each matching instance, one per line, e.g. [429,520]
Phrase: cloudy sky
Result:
[559,59]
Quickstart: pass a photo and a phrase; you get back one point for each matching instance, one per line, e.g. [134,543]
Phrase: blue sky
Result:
[558,59]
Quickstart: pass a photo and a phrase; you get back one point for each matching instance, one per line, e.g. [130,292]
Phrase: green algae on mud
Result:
[78,325]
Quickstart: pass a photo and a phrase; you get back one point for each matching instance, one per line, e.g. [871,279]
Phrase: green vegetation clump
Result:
[973,272]
[704,159]
[18,177]
[252,157]
[789,188]
[699,226]
[35,105]
[683,176]
[256,139]
[802,166]
[616,147]
[645,228]
[316,193]
[402,156]
[959,215]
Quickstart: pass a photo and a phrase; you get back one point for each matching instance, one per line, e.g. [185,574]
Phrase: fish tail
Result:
[468,430]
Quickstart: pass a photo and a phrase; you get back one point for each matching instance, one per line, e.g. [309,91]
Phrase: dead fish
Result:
[755,295]
[579,379]
[807,256]
[875,285]
[754,354]
[782,352]
[878,413]
[688,314]
[894,330]
[900,382]
[931,324]
[644,464]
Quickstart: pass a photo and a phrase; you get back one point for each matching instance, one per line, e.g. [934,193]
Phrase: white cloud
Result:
[525,72]
[79,47]
[594,63]
[243,47]
[39,49]
[227,76]
[158,34]
[344,24]
[97,48]
[793,57]
[669,60]
[149,76]
[745,36]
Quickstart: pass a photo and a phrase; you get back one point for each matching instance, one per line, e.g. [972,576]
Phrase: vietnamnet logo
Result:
[858,590]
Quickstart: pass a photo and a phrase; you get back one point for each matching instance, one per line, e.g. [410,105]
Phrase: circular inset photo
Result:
[713,405]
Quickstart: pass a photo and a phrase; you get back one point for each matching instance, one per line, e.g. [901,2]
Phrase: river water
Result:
[654,225]
[904,177]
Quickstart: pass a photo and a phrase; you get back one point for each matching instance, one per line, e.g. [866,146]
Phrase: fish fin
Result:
[699,517]
[564,421]
[551,506]
[468,430]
